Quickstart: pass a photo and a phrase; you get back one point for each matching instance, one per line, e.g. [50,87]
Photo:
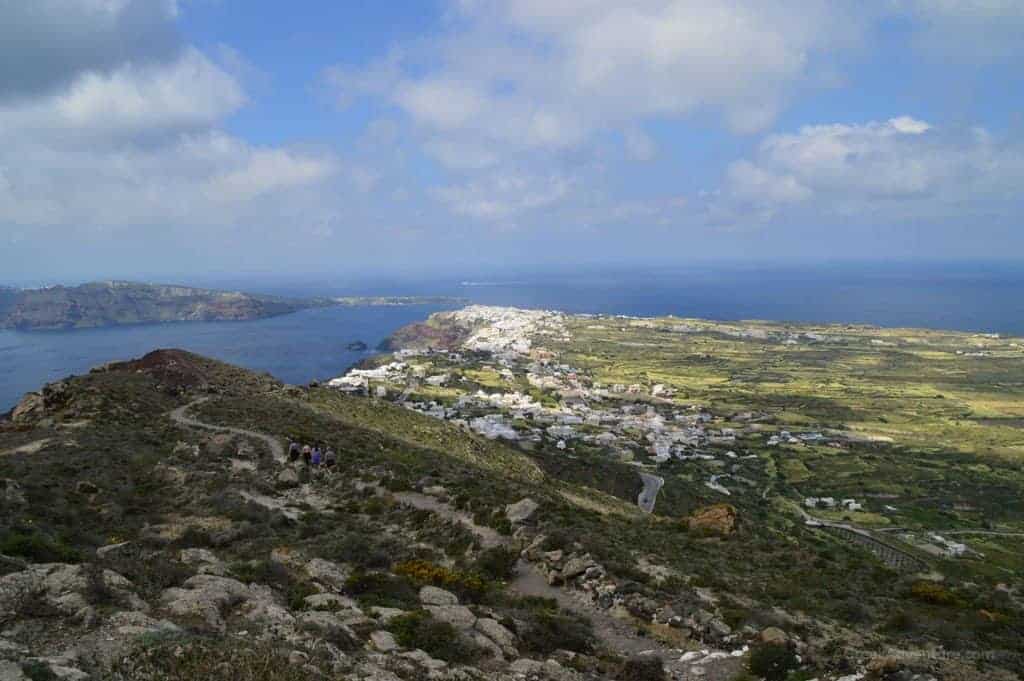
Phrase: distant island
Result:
[116,303]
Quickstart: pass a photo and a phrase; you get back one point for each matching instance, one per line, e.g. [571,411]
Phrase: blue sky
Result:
[165,138]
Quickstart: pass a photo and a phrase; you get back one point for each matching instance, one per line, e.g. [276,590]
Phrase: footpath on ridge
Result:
[618,635]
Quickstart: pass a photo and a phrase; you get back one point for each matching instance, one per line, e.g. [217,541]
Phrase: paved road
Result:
[178,416]
[649,495]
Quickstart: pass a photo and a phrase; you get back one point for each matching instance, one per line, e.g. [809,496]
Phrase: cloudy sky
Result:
[192,137]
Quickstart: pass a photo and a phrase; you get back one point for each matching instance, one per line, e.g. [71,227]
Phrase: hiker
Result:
[307,453]
[330,458]
[316,456]
[294,450]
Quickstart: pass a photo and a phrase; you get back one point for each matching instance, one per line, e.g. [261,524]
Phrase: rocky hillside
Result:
[115,303]
[153,526]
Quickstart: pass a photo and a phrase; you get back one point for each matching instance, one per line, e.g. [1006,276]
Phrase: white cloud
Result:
[542,75]
[639,145]
[501,196]
[893,169]
[204,179]
[442,103]
[45,44]
[460,155]
[131,138]
[188,93]
[261,171]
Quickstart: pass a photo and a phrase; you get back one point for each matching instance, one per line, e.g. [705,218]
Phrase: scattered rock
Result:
[137,624]
[106,551]
[11,493]
[64,588]
[86,487]
[385,615]
[576,566]
[496,632]
[459,616]
[717,519]
[330,602]
[11,671]
[206,597]
[197,556]
[31,408]
[383,641]
[521,511]
[327,626]
[431,595]
[328,574]
[774,636]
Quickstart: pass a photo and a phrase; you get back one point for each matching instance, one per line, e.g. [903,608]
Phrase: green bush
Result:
[276,576]
[497,562]
[439,639]
[466,585]
[547,630]
[38,671]
[383,590]
[359,549]
[37,547]
[642,668]
[772,662]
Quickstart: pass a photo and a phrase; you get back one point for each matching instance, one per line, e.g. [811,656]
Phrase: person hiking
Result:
[294,451]
[330,458]
[316,456]
[307,453]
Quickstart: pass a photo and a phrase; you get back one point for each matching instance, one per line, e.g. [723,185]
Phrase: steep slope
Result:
[114,303]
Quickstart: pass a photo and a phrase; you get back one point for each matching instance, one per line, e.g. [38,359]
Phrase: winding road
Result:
[649,494]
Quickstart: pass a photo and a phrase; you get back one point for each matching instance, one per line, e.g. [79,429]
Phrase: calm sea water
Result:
[296,348]
[311,344]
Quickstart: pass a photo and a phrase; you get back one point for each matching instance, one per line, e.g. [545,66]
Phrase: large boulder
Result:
[68,589]
[330,602]
[499,635]
[774,636]
[383,641]
[329,575]
[11,671]
[431,595]
[576,566]
[31,408]
[716,520]
[329,627]
[207,597]
[11,493]
[459,616]
[522,511]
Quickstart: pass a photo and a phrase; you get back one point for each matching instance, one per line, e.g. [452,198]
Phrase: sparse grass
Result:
[184,659]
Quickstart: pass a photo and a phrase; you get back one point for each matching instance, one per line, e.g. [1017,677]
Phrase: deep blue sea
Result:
[311,344]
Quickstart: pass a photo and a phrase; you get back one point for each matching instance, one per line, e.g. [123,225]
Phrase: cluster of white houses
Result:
[535,400]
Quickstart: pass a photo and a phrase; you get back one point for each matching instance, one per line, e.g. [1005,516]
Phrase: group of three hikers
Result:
[312,456]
